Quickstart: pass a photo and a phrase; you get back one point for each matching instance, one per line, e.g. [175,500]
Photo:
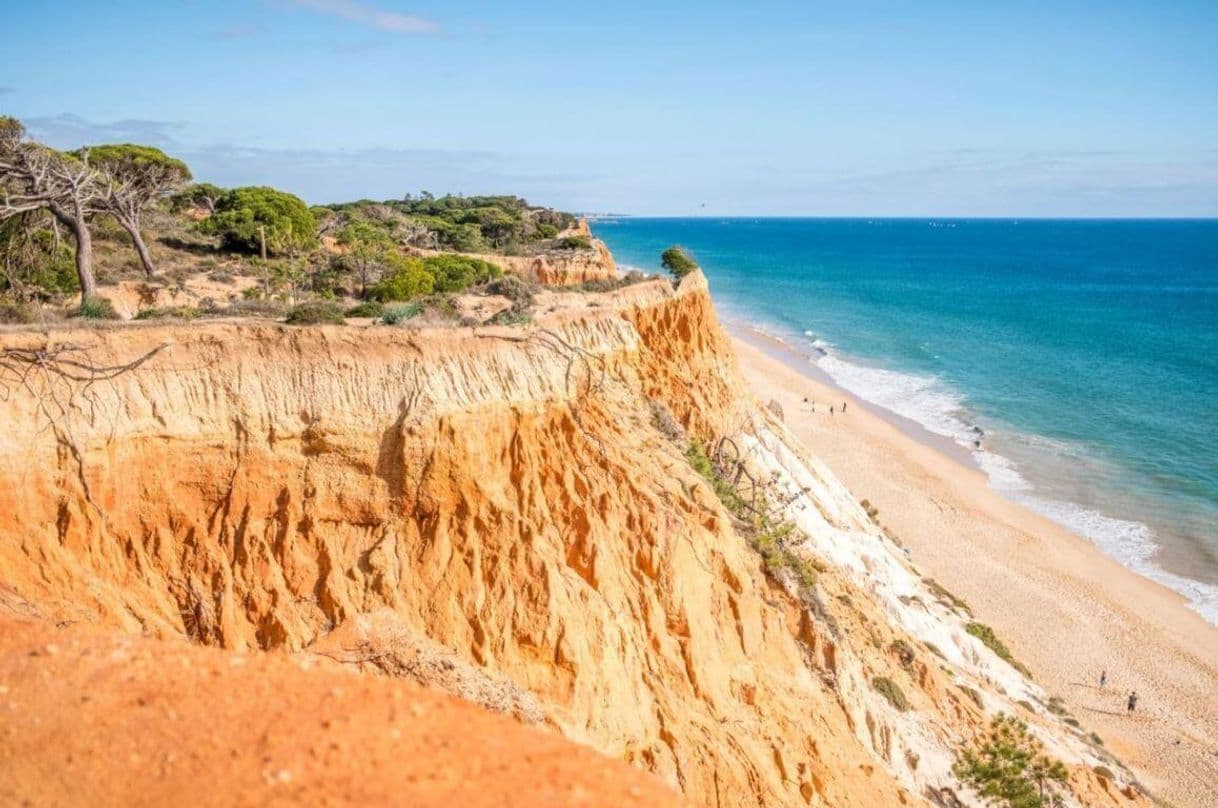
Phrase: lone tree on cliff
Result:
[34,177]
[678,262]
[1009,767]
[137,176]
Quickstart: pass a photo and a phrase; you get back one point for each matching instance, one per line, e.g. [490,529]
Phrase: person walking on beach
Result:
[1103,678]
[1132,703]
[830,409]
[843,408]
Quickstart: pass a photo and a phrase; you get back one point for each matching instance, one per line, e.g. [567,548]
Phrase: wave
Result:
[937,407]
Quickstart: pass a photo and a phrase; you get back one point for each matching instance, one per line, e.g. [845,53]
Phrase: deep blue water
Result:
[1087,351]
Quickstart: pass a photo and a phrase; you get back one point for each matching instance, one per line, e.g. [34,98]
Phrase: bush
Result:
[678,262]
[575,243]
[95,308]
[241,212]
[401,312]
[1008,767]
[890,691]
[770,536]
[453,273]
[405,279]
[180,312]
[991,641]
[316,312]
[369,308]
[16,313]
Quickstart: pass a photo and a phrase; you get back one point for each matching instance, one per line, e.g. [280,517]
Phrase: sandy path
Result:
[1067,610]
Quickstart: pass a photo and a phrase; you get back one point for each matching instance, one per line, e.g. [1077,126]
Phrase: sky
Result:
[797,108]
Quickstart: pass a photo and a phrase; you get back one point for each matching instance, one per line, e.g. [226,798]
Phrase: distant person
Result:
[843,408]
[1132,703]
[1103,678]
[830,409]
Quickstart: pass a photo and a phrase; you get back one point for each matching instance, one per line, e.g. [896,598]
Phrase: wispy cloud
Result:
[71,131]
[6,90]
[371,15]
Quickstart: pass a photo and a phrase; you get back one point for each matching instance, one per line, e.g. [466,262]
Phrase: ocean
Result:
[1085,352]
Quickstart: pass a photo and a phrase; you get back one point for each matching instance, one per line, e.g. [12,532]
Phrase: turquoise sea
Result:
[1085,351]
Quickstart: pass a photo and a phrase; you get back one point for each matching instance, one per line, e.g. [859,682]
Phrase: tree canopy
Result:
[244,214]
[678,262]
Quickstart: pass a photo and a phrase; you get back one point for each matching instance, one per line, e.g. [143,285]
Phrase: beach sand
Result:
[1066,610]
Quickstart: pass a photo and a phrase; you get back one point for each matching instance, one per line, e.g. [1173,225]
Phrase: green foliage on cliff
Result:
[1008,768]
[991,641]
[767,532]
[678,262]
[891,691]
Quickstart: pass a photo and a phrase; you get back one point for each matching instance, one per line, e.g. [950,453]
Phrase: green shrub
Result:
[454,273]
[406,278]
[369,308]
[546,231]
[770,536]
[991,641]
[1008,767]
[316,312]
[945,597]
[394,314]
[243,214]
[16,313]
[678,262]
[180,312]
[890,691]
[95,308]
[575,243]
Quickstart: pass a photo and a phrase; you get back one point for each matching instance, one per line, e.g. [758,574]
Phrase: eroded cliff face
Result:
[496,512]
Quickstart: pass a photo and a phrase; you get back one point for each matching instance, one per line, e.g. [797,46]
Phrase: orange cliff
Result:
[501,513]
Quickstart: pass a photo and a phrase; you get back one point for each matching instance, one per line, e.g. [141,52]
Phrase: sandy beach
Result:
[1067,610]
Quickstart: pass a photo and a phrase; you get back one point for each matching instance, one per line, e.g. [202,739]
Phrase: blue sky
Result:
[710,108]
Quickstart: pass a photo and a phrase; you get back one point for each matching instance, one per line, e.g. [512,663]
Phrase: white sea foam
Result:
[927,401]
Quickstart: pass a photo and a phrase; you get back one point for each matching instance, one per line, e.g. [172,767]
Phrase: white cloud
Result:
[371,15]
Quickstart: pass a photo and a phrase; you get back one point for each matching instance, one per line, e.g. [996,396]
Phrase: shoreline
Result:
[1066,608]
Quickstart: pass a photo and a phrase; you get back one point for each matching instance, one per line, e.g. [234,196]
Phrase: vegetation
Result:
[316,312]
[471,224]
[945,596]
[401,312]
[678,262]
[71,221]
[771,536]
[890,691]
[369,308]
[575,243]
[262,220]
[95,308]
[991,641]
[1008,768]
[139,175]
[409,278]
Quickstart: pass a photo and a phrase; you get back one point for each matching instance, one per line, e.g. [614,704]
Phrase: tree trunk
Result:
[84,249]
[133,229]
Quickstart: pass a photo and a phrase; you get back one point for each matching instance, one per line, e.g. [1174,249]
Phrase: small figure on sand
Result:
[830,409]
[1132,703]
[1103,678]
[843,408]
